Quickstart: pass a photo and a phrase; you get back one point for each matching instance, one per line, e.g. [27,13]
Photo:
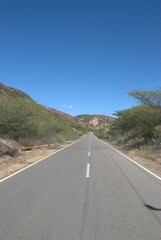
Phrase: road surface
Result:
[87,191]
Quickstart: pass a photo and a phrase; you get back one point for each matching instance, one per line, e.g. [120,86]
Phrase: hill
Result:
[29,123]
[16,93]
[12,92]
[99,124]
[94,121]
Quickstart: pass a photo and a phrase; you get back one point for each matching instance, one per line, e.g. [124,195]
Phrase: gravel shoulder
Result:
[147,158]
[9,165]
[152,164]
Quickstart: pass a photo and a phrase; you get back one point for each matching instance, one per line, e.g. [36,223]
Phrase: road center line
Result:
[88,170]
[89,154]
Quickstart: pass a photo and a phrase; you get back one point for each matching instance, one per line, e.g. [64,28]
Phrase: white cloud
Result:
[67,106]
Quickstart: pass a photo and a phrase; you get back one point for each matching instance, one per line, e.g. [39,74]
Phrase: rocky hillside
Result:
[12,92]
[94,121]
[62,115]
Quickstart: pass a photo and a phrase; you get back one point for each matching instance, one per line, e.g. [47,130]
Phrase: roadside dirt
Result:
[9,165]
[151,161]
[152,164]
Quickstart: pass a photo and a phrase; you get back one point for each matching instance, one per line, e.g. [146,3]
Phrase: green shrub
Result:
[30,123]
[140,124]
[101,133]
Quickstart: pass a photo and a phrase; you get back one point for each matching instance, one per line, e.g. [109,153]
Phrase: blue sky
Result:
[81,56]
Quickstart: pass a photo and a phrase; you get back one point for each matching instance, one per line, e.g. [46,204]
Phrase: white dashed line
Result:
[88,171]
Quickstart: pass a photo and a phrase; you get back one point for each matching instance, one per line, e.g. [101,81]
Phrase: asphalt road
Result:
[85,192]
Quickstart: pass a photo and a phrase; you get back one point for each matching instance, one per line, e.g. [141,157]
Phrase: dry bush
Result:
[11,151]
[134,143]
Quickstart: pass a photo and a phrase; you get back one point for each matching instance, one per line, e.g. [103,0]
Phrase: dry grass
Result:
[147,156]
[9,165]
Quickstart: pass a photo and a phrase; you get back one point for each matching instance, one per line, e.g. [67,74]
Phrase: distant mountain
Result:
[94,121]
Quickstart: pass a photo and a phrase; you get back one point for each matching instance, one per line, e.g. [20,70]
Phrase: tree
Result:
[149,98]
[140,124]
[16,117]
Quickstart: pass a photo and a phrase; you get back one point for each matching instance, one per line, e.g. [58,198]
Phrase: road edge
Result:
[131,160]
[38,161]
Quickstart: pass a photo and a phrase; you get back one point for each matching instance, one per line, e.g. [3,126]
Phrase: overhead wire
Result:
[139,56]
[148,73]
[126,82]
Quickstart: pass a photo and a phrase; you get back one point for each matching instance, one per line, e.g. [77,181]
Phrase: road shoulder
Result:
[10,165]
[151,164]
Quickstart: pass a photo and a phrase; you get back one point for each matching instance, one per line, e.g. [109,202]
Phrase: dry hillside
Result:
[94,121]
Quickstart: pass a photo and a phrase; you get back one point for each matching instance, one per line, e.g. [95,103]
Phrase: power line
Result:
[146,59]
[141,67]
[126,83]
[148,73]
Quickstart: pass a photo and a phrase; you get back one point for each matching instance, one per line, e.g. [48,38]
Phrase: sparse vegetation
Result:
[100,133]
[94,122]
[29,123]
[139,126]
